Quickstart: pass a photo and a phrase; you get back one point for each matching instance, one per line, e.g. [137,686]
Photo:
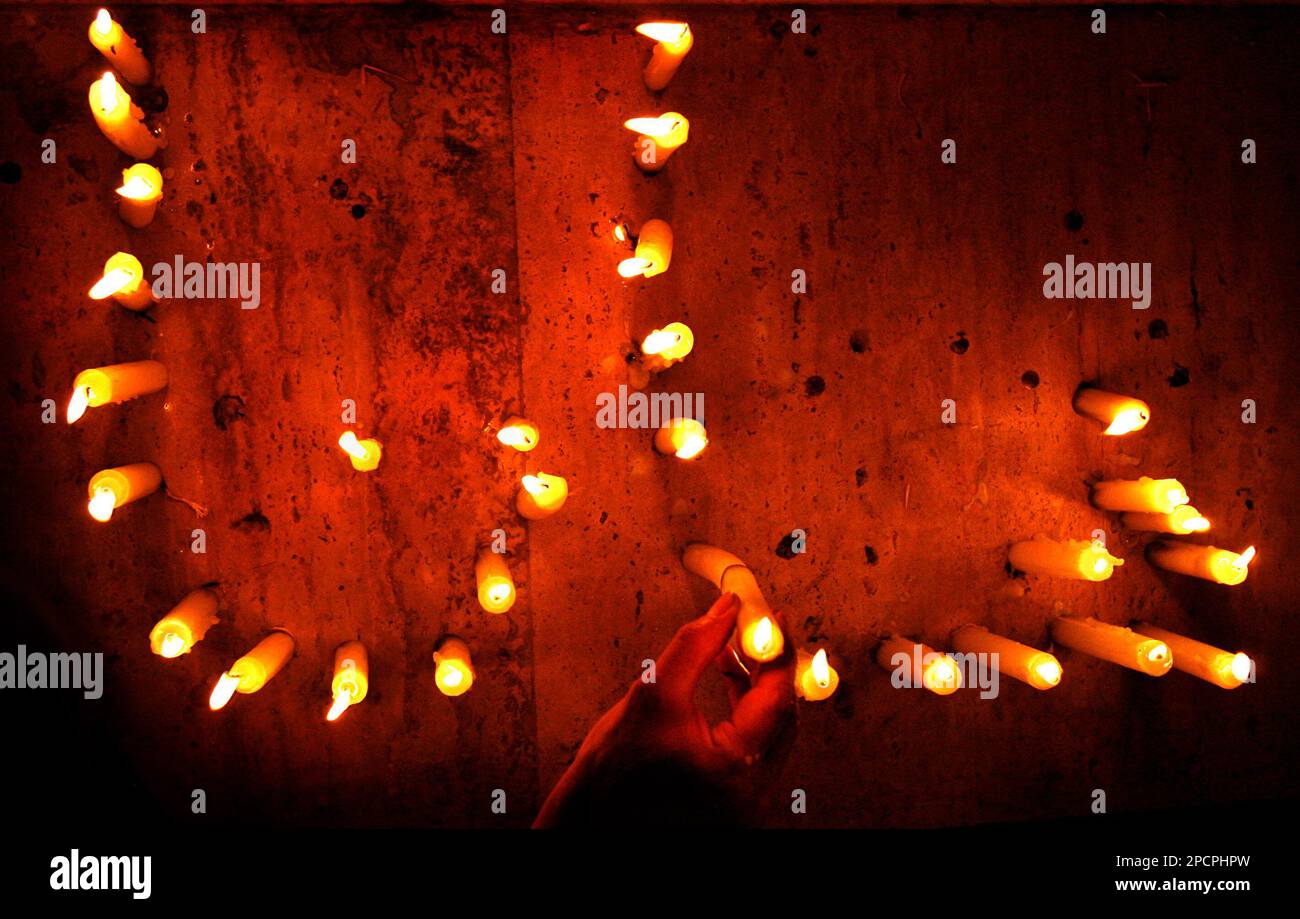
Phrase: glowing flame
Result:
[1176,496]
[632,267]
[351,446]
[137,188]
[533,485]
[1241,667]
[102,504]
[103,22]
[173,645]
[341,702]
[620,232]
[821,669]
[942,674]
[692,443]
[108,92]
[651,127]
[1244,559]
[1048,671]
[1128,421]
[78,404]
[1101,565]
[1158,652]
[763,634]
[499,593]
[514,436]
[450,676]
[223,691]
[670,33]
[659,341]
[1188,519]
[111,283]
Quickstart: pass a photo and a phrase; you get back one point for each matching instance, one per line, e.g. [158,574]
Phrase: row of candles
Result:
[1159,505]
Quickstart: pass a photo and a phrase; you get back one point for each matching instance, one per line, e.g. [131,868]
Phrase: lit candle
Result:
[1208,562]
[364,454]
[496,589]
[139,195]
[1158,496]
[814,677]
[114,383]
[453,670]
[541,495]
[351,678]
[664,347]
[1182,520]
[654,251]
[1118,414]
[937,672]
[120,120]
[252,671]
[684,438]
[757,631]
[672,41]
[519,433]
[1113,643]
[657,139]
[123,280]
[1039,669]
[1077,559]
[1222,668]
[111,40]
[112,488]
[184,627]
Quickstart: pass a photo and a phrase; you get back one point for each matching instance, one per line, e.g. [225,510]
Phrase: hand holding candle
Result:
[1222,566]
[1039,669]
[1146,495]
[916,665]
[113,488]
[757,631]
[1113,643]
[139,195]
[684,438]
[1222,668]
[111,40]
[123,280]
[496,589]
[114,383]
[364,454]
[351,679]
[814,678]
[672,42]
[1076,559]
[453,671]
[541,495]
[184,627]
[120,120]
[255,669]
[657,139]
[654,251]
[1117,414]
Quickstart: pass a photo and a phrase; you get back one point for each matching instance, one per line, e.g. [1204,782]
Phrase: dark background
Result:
[817,151]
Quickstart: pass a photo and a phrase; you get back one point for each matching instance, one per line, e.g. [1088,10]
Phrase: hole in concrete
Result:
[358,211]
[960,345]
[227,410]
[861,475]
[872,557]
[785,548]
[1074,221]
[814,386]
[338,189]
[1029,378]
[252,523]
[1180,377]
[858,341]
[10,173]
[1158,329]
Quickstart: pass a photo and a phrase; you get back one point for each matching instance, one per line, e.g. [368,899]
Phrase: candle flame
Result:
[1048,671]
[1241,667]
[620,232]
[172,646]
[821,669]
[1176,496]
[651,127]
[514,436]
[1128,421]
[1244,559]
[632,267]
[108,92]
[499,592]
[659,341]
[102,504]
[533,485]
[351,446]
[79,402]
[342,700]
[103,22]
[450,676]
[137,188]
[112,282]
[670,33]
[763,634]
[223,691]
[942,674]
[1188,519]
[1159,651]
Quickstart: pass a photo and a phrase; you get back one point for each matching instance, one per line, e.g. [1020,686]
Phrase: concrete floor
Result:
[818,152]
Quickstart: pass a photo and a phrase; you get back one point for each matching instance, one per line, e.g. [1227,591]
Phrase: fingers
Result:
[694,648]
[761,715]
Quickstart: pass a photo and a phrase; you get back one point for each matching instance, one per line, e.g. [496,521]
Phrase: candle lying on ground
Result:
[114,383]
[123,280]
[453,670]
[667,346]
[1159,496]
[541,495]
[519,433]
[1113,643]
[654,251]
[757,631]
[657,139]
[351,678]
[184,627]
[139,195]
[252,671]
[1213,564]
[111,40]
[496,589]
[684,438]
[1182,520]
[1039,669]
[1222,668]
[113,488]
[1077,559]
[673,40]
[1119,414]
[120,120]
[364,454]
[814,677]
[919,665]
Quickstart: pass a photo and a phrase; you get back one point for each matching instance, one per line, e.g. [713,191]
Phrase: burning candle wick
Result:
[223,692]
[102,504]
[173,645]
